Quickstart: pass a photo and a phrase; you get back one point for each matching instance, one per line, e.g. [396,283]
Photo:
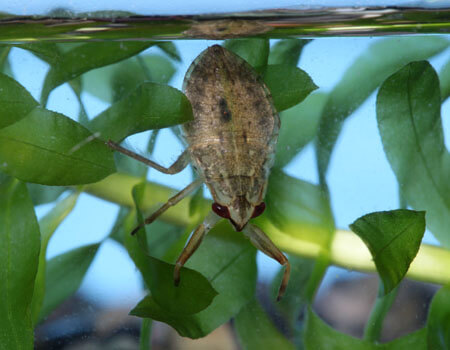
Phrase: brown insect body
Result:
[232,139]
[231,143]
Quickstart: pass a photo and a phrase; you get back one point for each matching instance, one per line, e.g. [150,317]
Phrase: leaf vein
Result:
[393,239]
[232,260]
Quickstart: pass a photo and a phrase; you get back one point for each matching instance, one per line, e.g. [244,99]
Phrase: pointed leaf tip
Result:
[393,238]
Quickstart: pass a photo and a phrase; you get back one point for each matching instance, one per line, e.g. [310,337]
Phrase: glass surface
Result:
[140,21]
[360,178]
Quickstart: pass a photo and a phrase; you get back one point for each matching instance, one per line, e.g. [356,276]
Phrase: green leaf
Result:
[439,321]
[302,211]
[15,101]
[256,331]
[48,225]
[115,81]
[86,57]
[192,295]
[393,238]
[288,85]
[19,254]
[195,204]
[132,73]
[117,231]
[254,51]
[415,340]
[41,194]
[83,118]
[160,235]
[320,336]
[228,261]
[62,152]
[287,51]
[150,106]
[299,208]
[169,49]
[408,104]
[66,47]
[64,275]
[299,126]
[194,292]
[444,77]
[369,70]
[5,67]
[46,51]
[127,165]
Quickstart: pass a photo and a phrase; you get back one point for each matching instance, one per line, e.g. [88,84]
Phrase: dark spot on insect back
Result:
[244,135]
[225,113]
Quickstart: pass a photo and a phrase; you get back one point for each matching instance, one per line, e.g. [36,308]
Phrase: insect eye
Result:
[221,211]
[259,209]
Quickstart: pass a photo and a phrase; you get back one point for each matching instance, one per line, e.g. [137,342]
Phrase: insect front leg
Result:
[193,243]
[260,240]
[170,202]
[181,162]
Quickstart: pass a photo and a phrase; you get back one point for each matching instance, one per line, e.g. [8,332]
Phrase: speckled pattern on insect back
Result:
[233,135]
[231,143]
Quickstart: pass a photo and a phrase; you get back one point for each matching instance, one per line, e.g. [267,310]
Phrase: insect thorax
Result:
[233,135]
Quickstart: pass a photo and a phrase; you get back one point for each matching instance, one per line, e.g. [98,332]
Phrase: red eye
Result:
[259,209]
[221,211]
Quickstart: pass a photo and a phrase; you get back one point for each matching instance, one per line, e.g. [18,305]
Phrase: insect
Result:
[231,144]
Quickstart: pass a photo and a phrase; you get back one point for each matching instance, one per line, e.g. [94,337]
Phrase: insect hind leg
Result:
[170,202]
[181,162]
[260,240]
[193,243]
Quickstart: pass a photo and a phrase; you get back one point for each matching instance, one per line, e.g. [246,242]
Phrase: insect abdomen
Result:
[233,135]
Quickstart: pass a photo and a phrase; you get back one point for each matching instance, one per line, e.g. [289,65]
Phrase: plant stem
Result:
[346,250]
[144,339]
[320,268]
[380,309]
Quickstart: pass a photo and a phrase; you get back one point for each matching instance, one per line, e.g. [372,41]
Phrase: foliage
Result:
[380,61]
[393,239]
[43,154]
[412,95]
[19,253]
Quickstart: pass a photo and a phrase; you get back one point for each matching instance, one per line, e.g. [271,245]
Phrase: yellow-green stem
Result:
[347,249]
[380,309]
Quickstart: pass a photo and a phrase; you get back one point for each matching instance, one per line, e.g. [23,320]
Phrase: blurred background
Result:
[360,181]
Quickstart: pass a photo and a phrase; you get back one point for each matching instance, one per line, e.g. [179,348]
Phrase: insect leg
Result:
[181,162]
[260,240]
[193,243]
[171,202]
